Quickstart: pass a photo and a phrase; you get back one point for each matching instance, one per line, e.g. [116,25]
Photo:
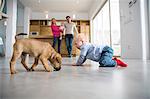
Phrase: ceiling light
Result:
[39,1]
[46,16]
[77,1]
[45,11]
[74,16]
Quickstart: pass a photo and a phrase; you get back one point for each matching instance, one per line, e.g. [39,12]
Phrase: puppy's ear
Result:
[52,55]
[59,58]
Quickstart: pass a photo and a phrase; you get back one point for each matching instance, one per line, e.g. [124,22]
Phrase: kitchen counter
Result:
[49,38]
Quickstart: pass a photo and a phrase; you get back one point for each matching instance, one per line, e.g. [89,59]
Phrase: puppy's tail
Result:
[20,35]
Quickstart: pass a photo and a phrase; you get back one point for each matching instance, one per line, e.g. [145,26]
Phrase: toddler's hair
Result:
[81,37]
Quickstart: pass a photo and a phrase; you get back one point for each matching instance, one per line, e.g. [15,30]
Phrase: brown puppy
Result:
[42,51]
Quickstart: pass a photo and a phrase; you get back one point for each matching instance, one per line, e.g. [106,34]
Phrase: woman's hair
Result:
[52,20]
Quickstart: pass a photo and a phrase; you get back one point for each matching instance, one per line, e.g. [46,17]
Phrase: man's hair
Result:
[68,17]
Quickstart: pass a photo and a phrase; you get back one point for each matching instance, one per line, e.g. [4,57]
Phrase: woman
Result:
[69,34]
[56,34]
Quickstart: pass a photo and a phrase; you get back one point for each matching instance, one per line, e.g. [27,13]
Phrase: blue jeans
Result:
[106,58]
[69,40]
[55,39]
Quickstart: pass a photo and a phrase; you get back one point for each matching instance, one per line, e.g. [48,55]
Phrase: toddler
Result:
[99,53]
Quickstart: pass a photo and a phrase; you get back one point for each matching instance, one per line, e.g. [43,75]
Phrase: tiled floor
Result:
[88,82]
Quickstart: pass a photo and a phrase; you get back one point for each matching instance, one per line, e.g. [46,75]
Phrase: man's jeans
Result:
[69,40]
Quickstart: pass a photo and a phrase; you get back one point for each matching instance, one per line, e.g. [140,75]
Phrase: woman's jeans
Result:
[69,40]
[55,40]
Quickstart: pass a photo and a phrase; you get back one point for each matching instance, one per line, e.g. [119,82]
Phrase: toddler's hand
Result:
[74,65]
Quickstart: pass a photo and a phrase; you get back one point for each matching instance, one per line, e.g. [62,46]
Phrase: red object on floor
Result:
[120,63]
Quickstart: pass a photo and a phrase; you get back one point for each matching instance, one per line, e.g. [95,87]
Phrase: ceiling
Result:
[58,5]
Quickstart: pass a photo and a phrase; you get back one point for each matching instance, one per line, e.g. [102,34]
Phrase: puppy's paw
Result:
[28,70]
[31,69]
[49,69]
[13,72]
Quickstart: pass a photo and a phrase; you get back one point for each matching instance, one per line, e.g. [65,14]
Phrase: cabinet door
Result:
[34,28]
[46,30]
[86,30]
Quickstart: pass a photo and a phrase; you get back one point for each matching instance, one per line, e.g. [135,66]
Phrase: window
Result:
[101,26]
[106,26]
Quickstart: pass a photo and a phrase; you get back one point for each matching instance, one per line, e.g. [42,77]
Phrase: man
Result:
[69,34]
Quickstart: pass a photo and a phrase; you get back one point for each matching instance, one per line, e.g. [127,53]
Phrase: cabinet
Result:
[83,26]
[40,26]
[43,26]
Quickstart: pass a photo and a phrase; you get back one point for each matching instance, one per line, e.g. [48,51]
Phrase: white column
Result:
[27,13]
[11,26]
[144,26]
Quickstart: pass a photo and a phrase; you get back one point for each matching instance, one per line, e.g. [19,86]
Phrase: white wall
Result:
[131,42]
[131,30]
[23,18]
[27,14]
[11,26]
[58,15]
[149,23]
[20,17]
